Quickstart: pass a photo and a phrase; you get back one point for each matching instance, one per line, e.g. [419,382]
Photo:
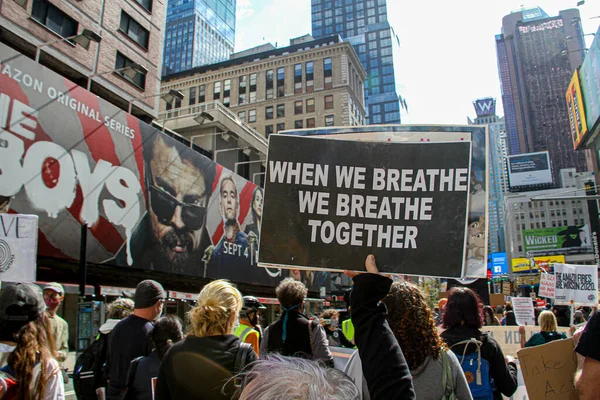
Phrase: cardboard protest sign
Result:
[509,338]
[577,283]
[548,370]
[523,308]
[476,256]
[18,247]
[547,284]
[336,201]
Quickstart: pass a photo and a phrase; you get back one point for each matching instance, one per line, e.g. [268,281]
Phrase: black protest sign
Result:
[329,203]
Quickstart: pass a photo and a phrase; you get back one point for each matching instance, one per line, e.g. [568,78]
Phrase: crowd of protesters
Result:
[404,349]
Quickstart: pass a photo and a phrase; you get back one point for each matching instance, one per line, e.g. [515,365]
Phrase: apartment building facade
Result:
[129,32]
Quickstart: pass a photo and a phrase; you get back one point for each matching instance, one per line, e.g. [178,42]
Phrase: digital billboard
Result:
[529,169]
[485,107]
[576,110]
[498,264]
[589,75]
[149,201]
[525,264]
[560,237]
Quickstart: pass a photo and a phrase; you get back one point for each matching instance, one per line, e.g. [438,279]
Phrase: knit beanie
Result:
[147,293]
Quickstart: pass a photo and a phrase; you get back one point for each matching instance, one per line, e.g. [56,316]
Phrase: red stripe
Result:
[107,235]
[136,142]
[219,171]
[46,249]
[218,233]
[246,200]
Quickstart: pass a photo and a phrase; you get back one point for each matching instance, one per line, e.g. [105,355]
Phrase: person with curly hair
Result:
[463,321]
[414,327]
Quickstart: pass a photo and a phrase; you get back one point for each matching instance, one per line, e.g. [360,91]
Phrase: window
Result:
[53,18]
[280,82]
[280,110]
[281,127]
[269,112]
[269,84]
[268,130]
[123,62]
[252,116]
[242,90]
[298,107]
[134,30]
[329,120]
[297,78]
[147,4]
[329,102]
[298,124]
[310,105]
[310,77]
[328,73]
[310,122]
[226,92]
[201,94]
[252,88]
[242,116]
[217,91]
[192,95]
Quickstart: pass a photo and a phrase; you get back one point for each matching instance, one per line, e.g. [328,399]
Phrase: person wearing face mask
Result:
[330,321]
[247,329]
[54,294]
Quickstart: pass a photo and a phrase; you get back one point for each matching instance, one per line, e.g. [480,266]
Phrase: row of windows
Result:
[57,21]
[329,120]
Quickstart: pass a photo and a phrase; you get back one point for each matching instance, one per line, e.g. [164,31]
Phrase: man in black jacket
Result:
[384,366]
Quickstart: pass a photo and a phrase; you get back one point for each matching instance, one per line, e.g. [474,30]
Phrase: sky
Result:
[447,48]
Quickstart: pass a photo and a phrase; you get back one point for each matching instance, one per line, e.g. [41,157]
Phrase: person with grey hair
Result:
[293,334]
[115,312]
[297,378]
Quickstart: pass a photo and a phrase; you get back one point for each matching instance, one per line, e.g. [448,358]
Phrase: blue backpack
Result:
[477,370]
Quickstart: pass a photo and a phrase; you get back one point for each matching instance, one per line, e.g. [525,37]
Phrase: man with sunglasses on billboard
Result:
[172,236]
[230,258]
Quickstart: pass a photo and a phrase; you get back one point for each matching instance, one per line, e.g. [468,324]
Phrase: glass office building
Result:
[364,23]
[198,32]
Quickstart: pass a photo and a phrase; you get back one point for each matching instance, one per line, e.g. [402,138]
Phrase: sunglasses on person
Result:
[164,204]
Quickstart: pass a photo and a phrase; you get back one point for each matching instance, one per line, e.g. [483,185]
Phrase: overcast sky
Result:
[448,52]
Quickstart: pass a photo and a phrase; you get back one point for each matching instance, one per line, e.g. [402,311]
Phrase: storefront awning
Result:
[117,291]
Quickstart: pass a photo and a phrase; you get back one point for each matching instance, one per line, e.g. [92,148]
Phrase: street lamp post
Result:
[168,97]
[129,71]
[83,39]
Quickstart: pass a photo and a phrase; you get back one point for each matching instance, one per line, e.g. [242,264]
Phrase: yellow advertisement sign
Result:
[524,264]
[576,110]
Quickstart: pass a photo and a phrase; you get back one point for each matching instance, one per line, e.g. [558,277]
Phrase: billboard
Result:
[576,110]
[485,107]
[529,169]
[589,75]
[559,237]
[149,201]
[525,264]
[498,264]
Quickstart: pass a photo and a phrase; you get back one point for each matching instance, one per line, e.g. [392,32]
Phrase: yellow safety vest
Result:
[348,329]
[242,331]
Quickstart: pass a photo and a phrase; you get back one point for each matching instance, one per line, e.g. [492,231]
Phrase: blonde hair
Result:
[212,314]
[547,321]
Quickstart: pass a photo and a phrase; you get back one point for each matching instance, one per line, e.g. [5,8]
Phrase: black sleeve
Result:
[504,374]
[589,343]
[384,367]
[344,340]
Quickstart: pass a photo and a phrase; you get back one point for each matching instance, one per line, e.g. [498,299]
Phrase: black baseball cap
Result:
[21,301]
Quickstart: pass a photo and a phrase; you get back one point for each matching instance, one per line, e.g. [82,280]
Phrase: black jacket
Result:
[504,375]
[198,368]
[384,366]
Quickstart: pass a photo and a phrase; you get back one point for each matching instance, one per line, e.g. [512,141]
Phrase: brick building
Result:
[131,31]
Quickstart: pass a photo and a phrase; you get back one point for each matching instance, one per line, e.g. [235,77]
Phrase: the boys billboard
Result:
[149,201]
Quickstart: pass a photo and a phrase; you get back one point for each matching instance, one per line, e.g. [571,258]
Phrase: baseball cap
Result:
[21,301]
[55,286]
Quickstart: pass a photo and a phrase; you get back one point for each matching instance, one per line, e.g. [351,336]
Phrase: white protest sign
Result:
[577,283]
[509,338]
[547,283]
[18,247]
[523,308]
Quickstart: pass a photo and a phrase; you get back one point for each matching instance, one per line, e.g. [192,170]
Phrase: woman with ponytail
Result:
[201,366]
[26,345]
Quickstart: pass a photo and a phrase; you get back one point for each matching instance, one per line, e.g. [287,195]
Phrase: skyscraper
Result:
[498,183]
[198,32]
[537,55]
[364,23]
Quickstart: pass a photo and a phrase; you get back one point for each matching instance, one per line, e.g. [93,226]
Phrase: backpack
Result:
[240,362]
[447,378]
[88,374]
[476,369]
[8,385]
